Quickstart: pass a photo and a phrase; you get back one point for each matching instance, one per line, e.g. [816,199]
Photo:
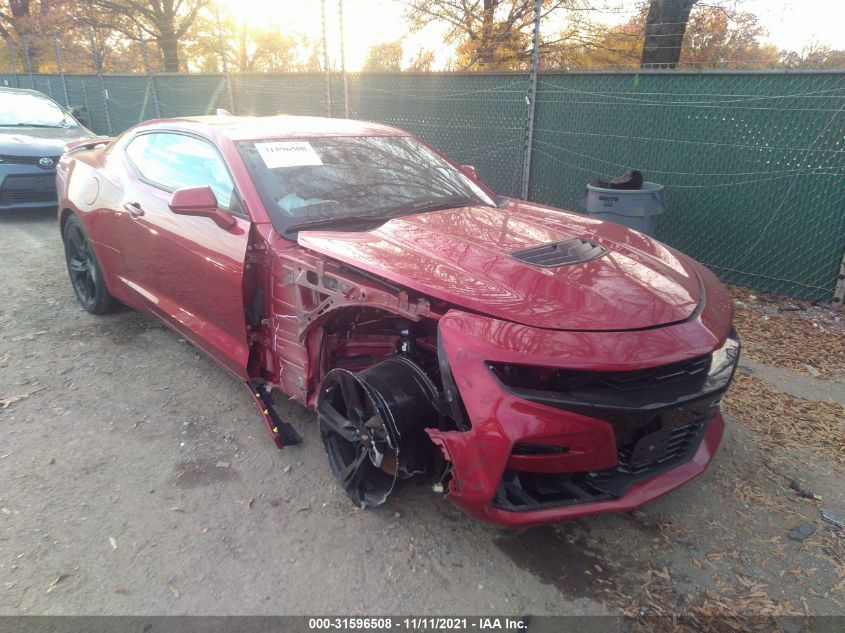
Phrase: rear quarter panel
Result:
[88,189]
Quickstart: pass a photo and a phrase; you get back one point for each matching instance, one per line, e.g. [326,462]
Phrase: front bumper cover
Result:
[26,187]
[587,467]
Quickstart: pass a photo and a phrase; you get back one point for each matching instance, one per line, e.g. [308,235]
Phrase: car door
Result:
[186,269]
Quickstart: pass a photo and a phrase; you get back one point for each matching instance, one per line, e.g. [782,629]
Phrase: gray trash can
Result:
[634,208]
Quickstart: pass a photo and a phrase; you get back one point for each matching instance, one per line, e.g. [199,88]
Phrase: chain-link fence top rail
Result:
[754,162]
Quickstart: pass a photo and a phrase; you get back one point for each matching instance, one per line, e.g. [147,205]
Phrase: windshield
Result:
[18,109]
[345,183]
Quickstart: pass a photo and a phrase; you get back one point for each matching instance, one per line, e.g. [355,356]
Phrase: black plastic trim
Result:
[576,250]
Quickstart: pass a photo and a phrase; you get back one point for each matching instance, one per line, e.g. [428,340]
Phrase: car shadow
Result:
[27,216]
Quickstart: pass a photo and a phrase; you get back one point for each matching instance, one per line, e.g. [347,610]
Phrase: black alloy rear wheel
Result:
[84,270]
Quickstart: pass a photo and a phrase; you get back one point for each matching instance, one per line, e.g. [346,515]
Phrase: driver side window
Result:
[172,161]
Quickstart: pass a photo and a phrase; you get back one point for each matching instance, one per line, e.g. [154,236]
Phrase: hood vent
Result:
[573,251]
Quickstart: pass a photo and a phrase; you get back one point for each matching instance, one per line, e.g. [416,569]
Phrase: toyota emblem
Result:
[46,162]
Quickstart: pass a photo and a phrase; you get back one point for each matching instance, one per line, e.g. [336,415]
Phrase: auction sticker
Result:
[287,154]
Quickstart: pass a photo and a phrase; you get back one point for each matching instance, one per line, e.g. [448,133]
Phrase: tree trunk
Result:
[21,13]
[486,44]
[169,46]
[664,32]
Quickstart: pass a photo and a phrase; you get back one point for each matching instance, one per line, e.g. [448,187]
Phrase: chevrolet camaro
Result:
[531,363]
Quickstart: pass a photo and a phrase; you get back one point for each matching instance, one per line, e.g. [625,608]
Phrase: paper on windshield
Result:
[287,154]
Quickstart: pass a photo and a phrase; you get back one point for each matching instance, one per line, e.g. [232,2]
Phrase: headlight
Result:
[723,362]
[648,388]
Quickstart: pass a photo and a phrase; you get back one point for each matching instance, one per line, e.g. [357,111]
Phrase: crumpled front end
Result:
[559,425]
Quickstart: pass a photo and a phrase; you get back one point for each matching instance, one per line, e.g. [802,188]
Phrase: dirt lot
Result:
[136,478]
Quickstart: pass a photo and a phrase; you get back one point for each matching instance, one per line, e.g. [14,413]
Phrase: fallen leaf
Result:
[664,574]
[59,578]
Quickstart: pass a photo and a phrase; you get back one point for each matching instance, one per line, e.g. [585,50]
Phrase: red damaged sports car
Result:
[535,364]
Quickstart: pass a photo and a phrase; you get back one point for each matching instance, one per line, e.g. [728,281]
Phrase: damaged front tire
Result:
[372,423]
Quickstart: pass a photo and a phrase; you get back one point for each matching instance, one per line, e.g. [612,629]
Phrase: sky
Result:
[792,24]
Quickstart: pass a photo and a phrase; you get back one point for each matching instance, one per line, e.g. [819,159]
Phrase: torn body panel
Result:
[308,294]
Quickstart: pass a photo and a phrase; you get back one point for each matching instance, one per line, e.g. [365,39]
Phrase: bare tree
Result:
[166,22]
[24,23]
[489,33]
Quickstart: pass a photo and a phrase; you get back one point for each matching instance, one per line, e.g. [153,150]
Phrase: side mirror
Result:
[470,171]
[200,201]
[79,113]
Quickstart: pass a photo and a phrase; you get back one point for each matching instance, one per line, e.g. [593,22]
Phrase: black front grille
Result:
[25,160]
[678,442]
[521,491]
[573,251]
[28,188]
[587,391]
[630,427]
[628,381]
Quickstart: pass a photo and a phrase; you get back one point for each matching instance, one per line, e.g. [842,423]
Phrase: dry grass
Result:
[784,422]
[789,333]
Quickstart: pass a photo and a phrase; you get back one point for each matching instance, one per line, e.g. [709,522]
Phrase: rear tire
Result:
[86,276]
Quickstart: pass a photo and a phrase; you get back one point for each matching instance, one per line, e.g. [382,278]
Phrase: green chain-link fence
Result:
[753,162]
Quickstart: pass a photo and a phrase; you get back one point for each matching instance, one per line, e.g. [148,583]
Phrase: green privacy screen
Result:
[753,162]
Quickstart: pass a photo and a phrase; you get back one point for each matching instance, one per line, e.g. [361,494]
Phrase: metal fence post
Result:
[98,67]
[14,53]
[326,62]
[532,101]
[61,68]
[151,80]
[13,60]
[10,52]
[105,94]
[343,61]
[839,293]
[27,60]
[85,100]
[225,62]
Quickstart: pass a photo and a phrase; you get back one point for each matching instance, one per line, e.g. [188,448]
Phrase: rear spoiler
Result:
[86,144]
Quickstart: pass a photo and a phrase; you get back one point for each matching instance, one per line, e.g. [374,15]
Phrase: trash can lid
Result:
[648,187]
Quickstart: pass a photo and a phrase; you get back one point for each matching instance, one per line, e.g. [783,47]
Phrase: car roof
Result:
[239,128]
[24,91]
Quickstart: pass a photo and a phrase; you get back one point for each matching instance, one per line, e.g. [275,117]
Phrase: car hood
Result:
[464,257]
[38,141]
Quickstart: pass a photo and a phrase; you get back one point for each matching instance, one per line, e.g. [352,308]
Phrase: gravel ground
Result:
[137,478]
